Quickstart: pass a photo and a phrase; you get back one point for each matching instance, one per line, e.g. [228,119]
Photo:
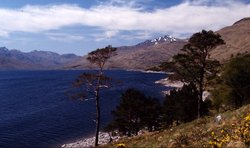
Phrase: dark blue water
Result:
[35,112]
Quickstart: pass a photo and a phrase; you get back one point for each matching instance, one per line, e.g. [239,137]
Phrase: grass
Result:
[232,131]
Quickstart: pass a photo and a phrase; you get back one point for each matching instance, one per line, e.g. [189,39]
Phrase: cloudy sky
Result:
[79,26]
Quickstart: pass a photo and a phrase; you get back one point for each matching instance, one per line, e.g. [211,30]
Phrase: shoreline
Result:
[169,83]
[148,71]
[104,138]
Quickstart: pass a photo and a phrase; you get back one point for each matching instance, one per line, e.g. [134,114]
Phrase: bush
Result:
[234,90]
[182,106]
[135,112]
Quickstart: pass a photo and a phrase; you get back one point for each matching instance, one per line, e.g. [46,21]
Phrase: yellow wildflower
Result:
[247,118]
[120,145]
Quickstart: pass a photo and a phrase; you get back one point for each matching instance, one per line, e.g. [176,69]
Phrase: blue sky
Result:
[80,26]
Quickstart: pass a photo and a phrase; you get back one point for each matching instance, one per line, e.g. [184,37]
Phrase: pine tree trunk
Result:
[97,111]
[201,85]
[199,102]
[97,118]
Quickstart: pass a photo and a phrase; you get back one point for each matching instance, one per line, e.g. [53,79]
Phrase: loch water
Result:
[36,112]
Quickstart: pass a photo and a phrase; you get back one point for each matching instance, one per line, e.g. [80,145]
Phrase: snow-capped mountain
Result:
[140,56]
[166,38]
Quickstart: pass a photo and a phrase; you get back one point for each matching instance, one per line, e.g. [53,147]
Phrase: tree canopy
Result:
[193,63]
[100,56]
[234,84]
[135,112]
[181,106]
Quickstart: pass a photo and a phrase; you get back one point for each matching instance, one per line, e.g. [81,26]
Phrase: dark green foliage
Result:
[205,106]
[181,106]
[151,113]
[234,89]
[100,56]
[237,77]
[193,63]
[169,109]
[127,114]
[221,93]
[135,112]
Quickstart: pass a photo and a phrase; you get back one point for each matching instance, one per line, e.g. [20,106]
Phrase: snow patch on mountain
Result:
[158,40]
[163,39]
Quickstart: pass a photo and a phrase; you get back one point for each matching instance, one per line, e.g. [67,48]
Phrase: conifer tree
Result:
[92,83]
[193,63]
[135,112]
[234,86]
[181,106]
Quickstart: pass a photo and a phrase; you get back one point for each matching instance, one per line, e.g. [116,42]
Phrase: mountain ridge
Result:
[237,39]
[161,39]
[140,56]
[15,59]
[152,52]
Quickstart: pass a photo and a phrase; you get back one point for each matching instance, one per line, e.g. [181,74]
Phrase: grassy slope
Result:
[193,134]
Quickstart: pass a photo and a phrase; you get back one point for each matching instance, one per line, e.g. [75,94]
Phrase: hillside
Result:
[140,56]
[237,38]
[152,52]
[15,59]
[199,133]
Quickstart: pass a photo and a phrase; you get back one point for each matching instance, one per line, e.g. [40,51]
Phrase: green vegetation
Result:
[176,117]
[90,84]
[198,133]
[232,89]
[238,133]
[135,112]
[193,63]
[181,106]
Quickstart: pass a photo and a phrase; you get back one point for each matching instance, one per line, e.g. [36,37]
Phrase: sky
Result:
[81,26]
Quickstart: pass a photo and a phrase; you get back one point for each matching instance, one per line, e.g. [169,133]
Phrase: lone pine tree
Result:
[92,83]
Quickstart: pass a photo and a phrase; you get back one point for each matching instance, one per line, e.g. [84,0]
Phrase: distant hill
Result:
[140,56]
[152,52]
[15,59]
[237,38]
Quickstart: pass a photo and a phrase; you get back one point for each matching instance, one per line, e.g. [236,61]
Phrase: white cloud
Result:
[106,35]
[111,33]
[4,33]
[37,19]
[142,35]
[184,18]
[129,3]
[64,37]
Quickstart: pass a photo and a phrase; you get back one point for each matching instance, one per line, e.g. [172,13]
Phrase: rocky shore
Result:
[104,138]
[178,84]
[169,83]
